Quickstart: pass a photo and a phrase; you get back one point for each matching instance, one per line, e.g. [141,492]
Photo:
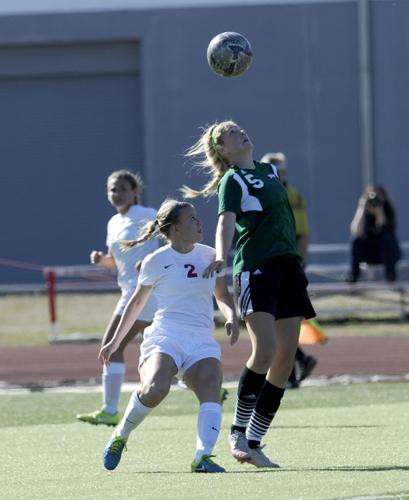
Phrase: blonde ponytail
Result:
[168,214]
[150,230]
[206,155]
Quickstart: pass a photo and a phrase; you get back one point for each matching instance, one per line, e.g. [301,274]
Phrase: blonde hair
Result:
[206,155]
[168,214]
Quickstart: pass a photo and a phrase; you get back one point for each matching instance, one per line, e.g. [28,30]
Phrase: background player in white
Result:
[181,335]
[123,189]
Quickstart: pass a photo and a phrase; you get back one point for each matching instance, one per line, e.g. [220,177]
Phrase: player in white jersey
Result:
[180,338]
[123,190]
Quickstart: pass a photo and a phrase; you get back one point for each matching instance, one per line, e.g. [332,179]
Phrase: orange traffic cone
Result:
[312,333]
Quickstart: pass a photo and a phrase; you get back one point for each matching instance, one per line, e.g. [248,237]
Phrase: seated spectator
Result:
[373,228]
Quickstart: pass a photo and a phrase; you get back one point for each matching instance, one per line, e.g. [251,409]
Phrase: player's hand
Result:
[106,352]
[96,256]
[233,330]
[214,267]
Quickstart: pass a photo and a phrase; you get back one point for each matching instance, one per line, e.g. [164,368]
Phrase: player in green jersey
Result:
[269,281]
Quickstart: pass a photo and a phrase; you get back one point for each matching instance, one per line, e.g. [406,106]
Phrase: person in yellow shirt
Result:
[297,202]
[304,363]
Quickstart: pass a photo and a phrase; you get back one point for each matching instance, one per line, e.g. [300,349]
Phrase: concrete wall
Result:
[83,94]
[390,22]
[68,118]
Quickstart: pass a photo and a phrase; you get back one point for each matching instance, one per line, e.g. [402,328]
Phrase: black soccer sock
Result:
[300,355]
[264,411]
[250,385]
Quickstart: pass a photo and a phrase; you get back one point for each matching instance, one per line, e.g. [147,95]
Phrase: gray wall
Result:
[390,23]
[69,114]
[84,94]
[300,96]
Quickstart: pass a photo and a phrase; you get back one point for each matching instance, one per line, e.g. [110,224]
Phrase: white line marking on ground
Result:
[92,387]
[380,497]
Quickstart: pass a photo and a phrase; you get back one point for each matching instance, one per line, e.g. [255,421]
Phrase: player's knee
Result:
[283,364]
[212,381]
[262,360]
[154,391]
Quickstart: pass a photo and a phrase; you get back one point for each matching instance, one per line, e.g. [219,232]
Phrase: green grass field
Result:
[332,442]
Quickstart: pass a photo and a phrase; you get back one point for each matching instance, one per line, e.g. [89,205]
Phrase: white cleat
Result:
[259,459]
[239,447]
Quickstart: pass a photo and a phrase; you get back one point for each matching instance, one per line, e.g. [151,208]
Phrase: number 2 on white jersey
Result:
[191,273]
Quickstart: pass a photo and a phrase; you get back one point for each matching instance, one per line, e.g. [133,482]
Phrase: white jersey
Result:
[184,297]
[127,227]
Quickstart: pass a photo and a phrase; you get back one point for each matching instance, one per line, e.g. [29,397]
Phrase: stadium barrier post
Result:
[52,309]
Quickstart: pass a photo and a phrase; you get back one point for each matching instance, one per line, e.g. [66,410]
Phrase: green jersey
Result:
[265,221]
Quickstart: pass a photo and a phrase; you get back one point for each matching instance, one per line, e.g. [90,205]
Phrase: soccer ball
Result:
[229,54]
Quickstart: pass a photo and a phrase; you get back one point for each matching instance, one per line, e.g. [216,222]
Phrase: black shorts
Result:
[278,287]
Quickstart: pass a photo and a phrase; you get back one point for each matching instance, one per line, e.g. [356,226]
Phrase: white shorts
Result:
[147,312]
[183,349]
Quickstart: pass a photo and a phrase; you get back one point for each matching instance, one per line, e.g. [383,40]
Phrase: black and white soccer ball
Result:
[229,54]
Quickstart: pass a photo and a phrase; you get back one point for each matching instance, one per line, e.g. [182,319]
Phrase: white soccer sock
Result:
[113,376]
[134,414]
[208,428]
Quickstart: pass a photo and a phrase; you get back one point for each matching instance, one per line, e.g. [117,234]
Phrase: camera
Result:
[373,199]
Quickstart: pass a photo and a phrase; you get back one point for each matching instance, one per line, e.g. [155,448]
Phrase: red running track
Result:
[73,363]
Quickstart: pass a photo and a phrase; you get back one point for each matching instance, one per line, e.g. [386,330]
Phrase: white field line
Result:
[403,496]
[83,388]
